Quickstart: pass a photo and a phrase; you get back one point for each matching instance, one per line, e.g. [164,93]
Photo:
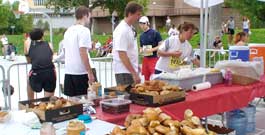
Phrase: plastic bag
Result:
[252,69]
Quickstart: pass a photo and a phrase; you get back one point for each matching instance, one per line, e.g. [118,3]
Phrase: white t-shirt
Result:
[4,40]
[75,37]
[124,40]
[246,24]
[170,45]
[97,45]
[173,31]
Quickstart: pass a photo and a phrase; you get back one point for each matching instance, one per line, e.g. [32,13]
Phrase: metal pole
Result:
[205,31]
[202,47]
[50,22]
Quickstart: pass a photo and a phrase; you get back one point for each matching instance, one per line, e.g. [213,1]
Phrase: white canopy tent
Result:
[203,5]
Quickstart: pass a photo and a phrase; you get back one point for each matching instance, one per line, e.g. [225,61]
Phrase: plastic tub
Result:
[239,52]
[115,105]
[237,120]
[184,83]
[250,112]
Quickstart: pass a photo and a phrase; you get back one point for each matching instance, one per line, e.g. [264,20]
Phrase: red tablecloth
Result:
[218,99]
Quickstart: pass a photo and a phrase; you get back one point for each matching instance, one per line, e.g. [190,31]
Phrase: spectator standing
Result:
[4,41]
[150,40]
[168,23]
[246,25]
[42,74]
[173,31]
[175,50]
[77,42]
[231,29]
[11,51]
[125,50]
[241,39]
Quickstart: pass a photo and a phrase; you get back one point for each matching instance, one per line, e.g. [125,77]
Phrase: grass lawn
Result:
[257,36]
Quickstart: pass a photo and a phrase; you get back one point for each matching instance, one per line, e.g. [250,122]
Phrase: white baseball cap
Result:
[144,19]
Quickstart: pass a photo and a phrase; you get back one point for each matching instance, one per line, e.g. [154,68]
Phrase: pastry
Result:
[75,128]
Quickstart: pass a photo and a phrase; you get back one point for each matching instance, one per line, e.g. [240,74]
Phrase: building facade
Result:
[157,12]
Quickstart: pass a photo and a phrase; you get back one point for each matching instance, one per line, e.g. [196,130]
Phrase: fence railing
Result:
[17,75]
[4,88]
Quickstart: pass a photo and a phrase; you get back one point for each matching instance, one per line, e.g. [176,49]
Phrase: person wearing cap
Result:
[150,40]
[231,30]
[176,51]
[125,49]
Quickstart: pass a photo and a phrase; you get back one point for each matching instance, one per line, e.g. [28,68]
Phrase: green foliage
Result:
[4,15]
[253,9]
[257,36]
[111,5]
[9,20]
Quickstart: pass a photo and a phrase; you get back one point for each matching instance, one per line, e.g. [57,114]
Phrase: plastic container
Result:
[115,105]
[184,83]
[214,78]
[237,120]
[239,52]
[250,112]
[257,50]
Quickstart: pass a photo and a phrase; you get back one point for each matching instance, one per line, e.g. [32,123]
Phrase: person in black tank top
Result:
[42,74]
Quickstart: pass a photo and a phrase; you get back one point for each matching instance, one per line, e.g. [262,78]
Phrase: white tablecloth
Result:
[96,127]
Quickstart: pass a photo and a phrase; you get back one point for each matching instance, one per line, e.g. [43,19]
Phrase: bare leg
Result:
[30,91]
[48,94]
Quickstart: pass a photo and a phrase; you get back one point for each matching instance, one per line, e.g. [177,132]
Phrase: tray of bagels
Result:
[156,93]
[155,122]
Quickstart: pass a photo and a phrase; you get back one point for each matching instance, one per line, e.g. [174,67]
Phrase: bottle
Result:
[47,129]
[228,77]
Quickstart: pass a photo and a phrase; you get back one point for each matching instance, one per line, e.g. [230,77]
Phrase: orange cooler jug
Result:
[257,50]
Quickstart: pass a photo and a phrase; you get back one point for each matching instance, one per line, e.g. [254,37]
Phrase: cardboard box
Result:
[56,115]
[119,90]
[158,100]
[242,80]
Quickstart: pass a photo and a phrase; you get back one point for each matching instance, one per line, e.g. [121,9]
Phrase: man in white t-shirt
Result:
[4,41]
[125,50]
[77,41]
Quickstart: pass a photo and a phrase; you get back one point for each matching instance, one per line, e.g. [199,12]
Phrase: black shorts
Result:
[42,79]
[75,85]
[124,79]
[231,31]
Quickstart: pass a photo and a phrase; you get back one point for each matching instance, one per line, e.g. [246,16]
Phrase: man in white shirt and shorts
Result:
[125,49]
[77,41]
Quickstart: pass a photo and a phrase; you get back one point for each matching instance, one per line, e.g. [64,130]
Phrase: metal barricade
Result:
[4,88]
[219,55]
[105,74]
[17,76]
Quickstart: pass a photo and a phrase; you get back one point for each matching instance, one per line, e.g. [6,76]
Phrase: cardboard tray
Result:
[242,80]
[56,115]
[159,100]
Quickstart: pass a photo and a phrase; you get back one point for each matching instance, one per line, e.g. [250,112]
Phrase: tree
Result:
[111,5]
[253,9]
[4,15]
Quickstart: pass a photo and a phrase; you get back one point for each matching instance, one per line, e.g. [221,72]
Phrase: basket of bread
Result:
[155,122]
[156,93]
[52,109]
